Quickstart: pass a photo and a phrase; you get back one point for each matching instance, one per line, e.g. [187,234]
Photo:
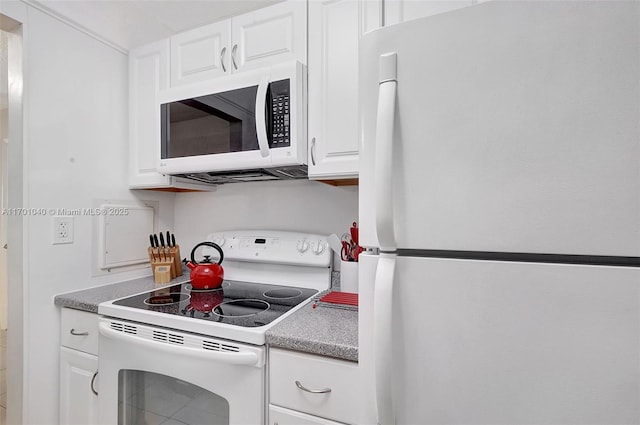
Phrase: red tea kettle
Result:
[206,275]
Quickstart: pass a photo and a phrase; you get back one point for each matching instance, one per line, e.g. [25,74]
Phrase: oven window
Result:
[151,398]
[214,124]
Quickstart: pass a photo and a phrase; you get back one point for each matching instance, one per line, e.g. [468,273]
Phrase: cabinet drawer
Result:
[79,330]
[280,416]
[287,369]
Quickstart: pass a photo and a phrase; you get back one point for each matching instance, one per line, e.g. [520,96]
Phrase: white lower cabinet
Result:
[281,416]
[78,367]
[311,389]
[78,376]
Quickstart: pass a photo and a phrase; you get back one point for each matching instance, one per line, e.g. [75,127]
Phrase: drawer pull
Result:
[303,388]
[73,332]
[93,380]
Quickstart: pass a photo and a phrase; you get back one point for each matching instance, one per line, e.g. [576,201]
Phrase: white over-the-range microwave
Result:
[249,126]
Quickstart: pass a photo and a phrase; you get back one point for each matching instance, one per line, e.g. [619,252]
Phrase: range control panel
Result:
[273,247]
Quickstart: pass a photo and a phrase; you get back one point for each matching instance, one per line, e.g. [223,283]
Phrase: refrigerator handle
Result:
[382,337]
[384,149]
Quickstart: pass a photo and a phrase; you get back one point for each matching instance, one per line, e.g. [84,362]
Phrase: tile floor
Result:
[3,376]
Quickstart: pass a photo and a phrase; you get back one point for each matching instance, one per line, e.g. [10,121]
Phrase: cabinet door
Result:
[201,54]
[396,11]
[271,35]
[280,416]
[148,73]
[78,402]
[335,27]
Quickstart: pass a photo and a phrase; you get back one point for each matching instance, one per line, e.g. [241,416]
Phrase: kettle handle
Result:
[210,244]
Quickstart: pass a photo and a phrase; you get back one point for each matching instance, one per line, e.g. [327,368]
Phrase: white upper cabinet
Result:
[335,27]
[200,54]
[256,39]
[396,11]
[149,73]
[274,34]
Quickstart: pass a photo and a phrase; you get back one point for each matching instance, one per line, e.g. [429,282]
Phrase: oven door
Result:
[154,375]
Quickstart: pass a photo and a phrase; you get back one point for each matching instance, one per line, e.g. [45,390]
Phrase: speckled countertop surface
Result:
[325,331]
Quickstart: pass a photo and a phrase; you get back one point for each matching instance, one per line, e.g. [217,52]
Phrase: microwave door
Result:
[217,131]
[211,124]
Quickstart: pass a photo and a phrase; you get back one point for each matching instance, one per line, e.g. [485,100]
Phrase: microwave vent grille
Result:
[261,174]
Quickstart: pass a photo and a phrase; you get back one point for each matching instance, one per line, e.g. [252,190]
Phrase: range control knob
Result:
[218,240]
[319,247]
[302,245]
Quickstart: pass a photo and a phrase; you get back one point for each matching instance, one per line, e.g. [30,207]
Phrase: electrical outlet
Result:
[62,229]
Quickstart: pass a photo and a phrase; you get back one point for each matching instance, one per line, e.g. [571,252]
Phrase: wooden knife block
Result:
[161,258]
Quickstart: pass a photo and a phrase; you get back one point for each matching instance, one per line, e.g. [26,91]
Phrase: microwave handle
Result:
[261,124]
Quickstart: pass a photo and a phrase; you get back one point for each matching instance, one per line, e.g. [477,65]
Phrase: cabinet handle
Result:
[93,380]
[222,53]
[73,332]
[303,388]
[313,151]
[233,55]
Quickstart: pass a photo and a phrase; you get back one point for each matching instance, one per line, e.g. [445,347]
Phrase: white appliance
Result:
[243,127]
[500,209]
[179,355]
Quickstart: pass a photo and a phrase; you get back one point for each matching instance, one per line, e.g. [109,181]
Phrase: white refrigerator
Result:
[500,208]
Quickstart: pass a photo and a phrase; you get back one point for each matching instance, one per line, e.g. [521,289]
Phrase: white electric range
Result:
[203,352]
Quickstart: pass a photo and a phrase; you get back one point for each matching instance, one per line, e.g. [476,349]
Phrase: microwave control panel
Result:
[280,115]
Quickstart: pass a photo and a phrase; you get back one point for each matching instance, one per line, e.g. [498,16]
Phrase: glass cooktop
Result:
[235,303]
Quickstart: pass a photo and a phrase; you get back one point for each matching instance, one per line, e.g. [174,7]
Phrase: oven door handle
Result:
[239,359]
[261,122]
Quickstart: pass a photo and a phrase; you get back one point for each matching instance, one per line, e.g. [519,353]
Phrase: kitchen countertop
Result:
[325,331]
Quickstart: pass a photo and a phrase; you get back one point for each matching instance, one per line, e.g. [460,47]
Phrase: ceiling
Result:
[132,23]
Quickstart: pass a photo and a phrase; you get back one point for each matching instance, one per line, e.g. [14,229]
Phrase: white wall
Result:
[300,205]
[76,149]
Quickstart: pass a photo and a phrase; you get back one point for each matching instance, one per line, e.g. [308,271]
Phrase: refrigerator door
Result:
[480,342]
[516,129]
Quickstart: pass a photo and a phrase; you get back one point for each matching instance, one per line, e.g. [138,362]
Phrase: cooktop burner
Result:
[235,303]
